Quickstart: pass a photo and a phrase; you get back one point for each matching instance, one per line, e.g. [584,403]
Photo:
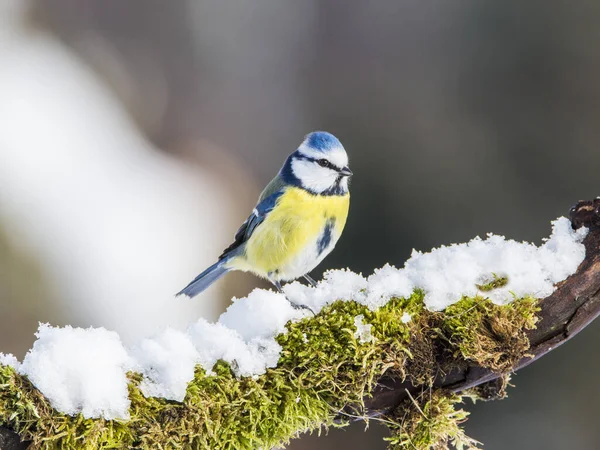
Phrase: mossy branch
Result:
[414,374]
[573,306]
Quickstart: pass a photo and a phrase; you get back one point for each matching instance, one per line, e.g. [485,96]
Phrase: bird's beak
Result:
[346,172]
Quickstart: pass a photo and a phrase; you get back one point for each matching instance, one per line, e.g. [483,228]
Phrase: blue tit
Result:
[298,219]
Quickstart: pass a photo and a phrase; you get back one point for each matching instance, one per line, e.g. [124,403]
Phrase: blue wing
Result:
[217,270]
[258,215]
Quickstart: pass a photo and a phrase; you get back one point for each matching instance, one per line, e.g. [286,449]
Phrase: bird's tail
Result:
[205,279]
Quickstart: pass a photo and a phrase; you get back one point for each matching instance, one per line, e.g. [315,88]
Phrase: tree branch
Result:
[9,440]
[573,306]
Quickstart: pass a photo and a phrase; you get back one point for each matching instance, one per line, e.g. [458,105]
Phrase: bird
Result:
[297,221]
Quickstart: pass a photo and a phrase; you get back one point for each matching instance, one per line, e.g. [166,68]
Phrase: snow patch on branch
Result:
[85,370]
[80,370]
[8,359]
[450,272]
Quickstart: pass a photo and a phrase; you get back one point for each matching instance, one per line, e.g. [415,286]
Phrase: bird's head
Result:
[319,165]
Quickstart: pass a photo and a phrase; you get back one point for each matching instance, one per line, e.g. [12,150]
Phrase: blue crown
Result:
[322,141]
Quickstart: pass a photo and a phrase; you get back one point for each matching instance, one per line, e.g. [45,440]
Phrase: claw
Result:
[297,306]
[277,285]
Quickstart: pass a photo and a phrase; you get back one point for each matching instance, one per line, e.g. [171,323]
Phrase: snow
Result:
[80,370]
[8,359]
[84,370]
[216,341]
[336,284]
[167,362]
[265,313]
[363,330]
[449,272]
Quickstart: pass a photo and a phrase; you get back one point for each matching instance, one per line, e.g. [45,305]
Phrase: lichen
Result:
[322,378]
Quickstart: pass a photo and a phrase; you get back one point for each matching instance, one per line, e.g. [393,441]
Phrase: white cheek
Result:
[314,177]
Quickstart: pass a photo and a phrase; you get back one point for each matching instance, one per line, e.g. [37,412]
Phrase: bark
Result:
[10,440]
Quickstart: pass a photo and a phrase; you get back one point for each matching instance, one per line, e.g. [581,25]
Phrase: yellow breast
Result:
[291,229]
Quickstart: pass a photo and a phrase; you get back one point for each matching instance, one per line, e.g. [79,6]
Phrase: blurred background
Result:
[136,137]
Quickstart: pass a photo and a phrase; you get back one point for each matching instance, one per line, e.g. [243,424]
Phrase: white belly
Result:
[309,258]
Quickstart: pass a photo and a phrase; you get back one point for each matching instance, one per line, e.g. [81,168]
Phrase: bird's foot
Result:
[298,306]
[277,285]
[312,282]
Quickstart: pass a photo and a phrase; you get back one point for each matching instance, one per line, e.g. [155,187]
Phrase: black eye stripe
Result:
[326,163]
[322,162]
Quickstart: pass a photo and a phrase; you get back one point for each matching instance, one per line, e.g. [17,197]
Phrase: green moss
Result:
[495,283]
[493,336]
[323,375]
[431,421]
[492,390]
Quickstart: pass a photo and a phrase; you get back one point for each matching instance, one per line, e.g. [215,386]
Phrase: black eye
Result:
[323,162]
